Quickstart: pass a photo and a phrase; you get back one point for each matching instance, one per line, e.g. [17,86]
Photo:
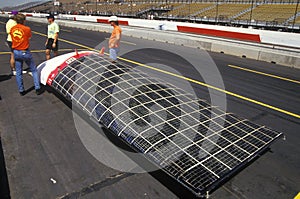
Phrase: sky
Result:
[4,3]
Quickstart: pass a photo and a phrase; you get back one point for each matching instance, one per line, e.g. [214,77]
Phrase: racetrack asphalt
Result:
[41,146]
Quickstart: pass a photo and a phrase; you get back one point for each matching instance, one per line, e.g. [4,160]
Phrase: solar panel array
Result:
[197,144]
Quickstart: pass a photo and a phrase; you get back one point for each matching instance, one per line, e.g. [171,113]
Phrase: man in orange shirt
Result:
[21,35]
[114,40]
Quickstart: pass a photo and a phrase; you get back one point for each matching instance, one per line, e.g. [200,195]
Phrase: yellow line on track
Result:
[265,74]
[69,42]
[192,80]
[297,196]
[4,53]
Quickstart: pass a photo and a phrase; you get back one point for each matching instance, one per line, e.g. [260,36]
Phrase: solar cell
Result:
[195,143]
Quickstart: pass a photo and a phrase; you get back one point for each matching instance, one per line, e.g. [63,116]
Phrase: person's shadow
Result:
[4,77]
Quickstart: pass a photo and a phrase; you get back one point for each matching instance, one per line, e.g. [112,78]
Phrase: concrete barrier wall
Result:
[237,50]
[280,58]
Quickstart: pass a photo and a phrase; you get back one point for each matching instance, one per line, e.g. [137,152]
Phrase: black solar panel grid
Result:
[196,143]
[198,178]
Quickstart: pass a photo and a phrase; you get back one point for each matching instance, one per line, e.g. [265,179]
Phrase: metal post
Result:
[251,12]
[53,7]
[131,8]
[96,7]
[189,9]
[86,9]
[295,15]
[217,10]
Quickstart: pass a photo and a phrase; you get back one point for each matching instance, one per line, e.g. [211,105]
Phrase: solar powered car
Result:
[198,145]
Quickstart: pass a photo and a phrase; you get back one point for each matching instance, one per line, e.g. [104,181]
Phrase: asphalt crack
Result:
[96,186]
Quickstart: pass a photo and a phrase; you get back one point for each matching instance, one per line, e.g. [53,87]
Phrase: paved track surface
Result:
[40,142]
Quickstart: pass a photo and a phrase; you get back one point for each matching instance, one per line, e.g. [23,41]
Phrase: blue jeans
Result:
[25,56]
[113,53]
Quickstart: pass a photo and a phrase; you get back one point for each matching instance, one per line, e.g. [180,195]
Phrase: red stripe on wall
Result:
[220,33]
[124,23]
[102,21]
